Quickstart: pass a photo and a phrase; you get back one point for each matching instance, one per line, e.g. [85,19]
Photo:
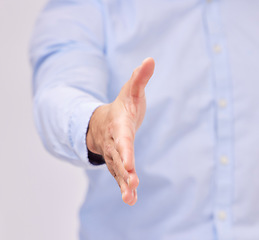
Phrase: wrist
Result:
[95,130]
[89,140]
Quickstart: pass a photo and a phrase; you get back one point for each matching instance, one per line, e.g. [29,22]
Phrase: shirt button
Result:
[222,103]
[224,160]
[217,48]
[222,216]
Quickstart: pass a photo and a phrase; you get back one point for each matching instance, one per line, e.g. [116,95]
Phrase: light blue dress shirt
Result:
[197,152]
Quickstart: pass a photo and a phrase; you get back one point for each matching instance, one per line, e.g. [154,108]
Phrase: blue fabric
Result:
[197,152]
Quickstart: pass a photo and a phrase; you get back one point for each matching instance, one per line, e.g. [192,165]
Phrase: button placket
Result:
[223,121]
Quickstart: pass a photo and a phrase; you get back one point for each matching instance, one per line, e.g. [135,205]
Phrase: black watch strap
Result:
[95,159]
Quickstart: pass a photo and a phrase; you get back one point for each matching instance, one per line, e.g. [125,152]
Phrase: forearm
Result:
[70,76]
[61,115]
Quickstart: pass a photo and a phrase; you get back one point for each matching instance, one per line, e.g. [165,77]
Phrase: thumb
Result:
[140,77]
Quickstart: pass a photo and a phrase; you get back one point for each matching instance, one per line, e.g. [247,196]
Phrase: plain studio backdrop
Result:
[39,195]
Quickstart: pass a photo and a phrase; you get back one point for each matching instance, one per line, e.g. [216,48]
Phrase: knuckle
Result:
[124,145]
[125,175]
[110,128]
[113,127]
[113,173]
[107,149]
[135,71]
[127,140]
[132,109]
[118,144]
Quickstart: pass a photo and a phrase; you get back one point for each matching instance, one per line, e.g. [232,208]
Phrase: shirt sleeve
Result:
[70,75]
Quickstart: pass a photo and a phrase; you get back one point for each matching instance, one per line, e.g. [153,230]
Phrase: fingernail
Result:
[128,181]
[123,196]
[134,192]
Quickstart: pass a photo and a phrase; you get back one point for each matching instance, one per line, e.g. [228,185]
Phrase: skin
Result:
[113,126]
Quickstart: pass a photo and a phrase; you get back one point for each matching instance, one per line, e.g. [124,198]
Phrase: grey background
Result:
[39,195]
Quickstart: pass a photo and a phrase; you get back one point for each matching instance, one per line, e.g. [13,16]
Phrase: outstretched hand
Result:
[113,126]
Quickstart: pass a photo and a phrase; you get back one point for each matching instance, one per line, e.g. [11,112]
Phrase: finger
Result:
[128,195]
[125,147]
[135,197]
[116,168]
[133,180]
[123,136]
[128,176]
[126,192]
[140,77]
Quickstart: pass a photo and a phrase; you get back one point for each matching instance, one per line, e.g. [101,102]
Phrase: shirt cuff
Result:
[77,132]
